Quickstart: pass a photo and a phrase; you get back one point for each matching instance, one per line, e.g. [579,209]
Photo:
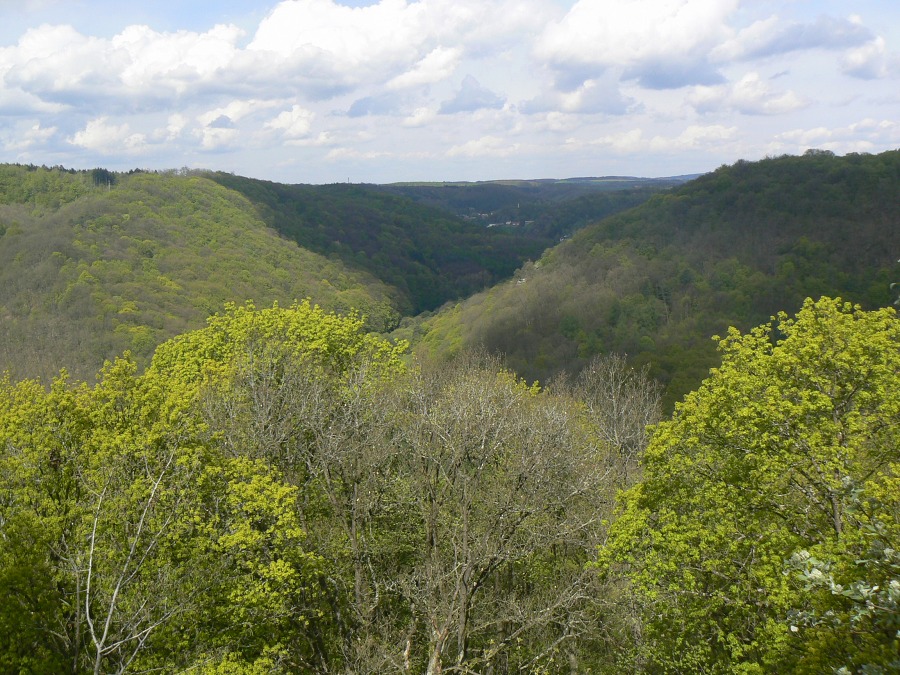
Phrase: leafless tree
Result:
[507,485]
[623,402]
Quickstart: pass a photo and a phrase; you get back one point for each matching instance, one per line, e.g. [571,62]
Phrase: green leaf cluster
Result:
[130,539]
[788,449]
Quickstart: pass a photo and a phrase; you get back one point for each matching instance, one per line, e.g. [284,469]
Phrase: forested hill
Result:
[440,242]
[94,263]
[548,208]
[729,248]
[428,254]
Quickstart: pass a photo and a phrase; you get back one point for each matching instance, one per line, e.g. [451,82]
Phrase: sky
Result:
[325,91]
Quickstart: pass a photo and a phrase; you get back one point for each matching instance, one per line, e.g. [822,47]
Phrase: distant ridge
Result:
[524,182]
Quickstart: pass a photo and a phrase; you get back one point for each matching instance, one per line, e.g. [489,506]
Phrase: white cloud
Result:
[486,146]
[774,37]
[862,136]
[471,97]
[750,96]
[661,43]
[437,65]
[741,43]
[623,142]
[216,138]
[101,136]
[871,61]
[698,136]
[292,124]
[56,63]
[173,61]
[559,122]
[235,111]
[387,103]
[61,65]
[391,41]
[338,154]
[18,102]
[692,138]
[175,126]
[420,117]
[35,135]
[330,48]
[350,35]
[593,96]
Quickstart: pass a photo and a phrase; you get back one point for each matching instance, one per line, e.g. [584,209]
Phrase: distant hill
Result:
[428,254]
[94,264]
[435,242]
[655,282]
[543,208]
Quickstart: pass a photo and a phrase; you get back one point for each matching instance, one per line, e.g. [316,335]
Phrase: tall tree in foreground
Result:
[780,470]
[132,538]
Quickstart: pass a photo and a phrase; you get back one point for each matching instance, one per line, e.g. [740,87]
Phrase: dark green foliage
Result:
[729,248]
[429,255]
[562,219]
[507,197]
[103,177]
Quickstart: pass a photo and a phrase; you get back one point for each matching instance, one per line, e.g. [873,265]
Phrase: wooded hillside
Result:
[88,271]
[730,248]
[95,262]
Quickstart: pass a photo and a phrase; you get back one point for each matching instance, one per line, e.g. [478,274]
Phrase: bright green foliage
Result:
[89,272]
[299,332]
[130,540]
[261,598]
[277,492]
[766,459]
[39,491]
[41,189]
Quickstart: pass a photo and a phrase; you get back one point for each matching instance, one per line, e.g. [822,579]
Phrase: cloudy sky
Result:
[320,91]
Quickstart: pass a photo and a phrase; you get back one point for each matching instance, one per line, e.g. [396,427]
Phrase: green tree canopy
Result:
[783,450]
[132,539]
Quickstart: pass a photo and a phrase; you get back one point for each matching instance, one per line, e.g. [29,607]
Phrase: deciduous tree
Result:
[760,462]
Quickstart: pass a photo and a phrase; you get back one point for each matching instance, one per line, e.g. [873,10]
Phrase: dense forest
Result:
[202,472]
[283,492]
[730,248]
[93,262]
